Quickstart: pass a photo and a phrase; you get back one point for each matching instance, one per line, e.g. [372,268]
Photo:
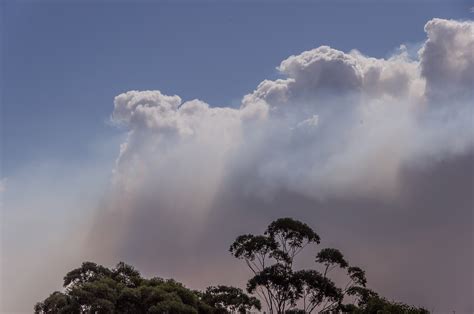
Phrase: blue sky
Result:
[63,63]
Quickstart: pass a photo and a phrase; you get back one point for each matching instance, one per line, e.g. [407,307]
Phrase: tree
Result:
[282,286]
[88,272]
[292,236]
[282,241]
[373,303]
[230,299]
[93,288]
[271,258]
[317,289]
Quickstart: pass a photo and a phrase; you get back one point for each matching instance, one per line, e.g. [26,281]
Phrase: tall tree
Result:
[271,258]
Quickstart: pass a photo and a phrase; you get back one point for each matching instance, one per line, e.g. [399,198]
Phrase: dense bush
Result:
[93,288]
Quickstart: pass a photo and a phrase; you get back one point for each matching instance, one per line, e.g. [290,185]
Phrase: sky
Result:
[64,63]
[354,116]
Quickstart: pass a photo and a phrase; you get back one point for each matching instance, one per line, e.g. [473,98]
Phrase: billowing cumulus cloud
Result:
[336,120]
[447,61]
[325,72]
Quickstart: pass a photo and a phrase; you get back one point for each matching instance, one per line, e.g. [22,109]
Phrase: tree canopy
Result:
[93,288]
[229,299]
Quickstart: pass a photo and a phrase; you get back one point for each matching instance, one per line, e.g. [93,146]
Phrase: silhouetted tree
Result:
[93,288]
[271,256]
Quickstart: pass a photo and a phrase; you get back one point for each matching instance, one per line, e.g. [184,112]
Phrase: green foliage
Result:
[172,307]
[362,294]
[379,305]
[87,272]
[57,302]
[357,275]
[250,247]
[279,279]
[292,230]
[331,257]
[316,288]
[93,288]
[292,236]
[230,299]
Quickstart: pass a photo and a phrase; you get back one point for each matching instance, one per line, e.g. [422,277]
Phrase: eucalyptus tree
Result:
[271,258]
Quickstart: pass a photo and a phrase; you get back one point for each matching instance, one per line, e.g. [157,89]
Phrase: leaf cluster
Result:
[93,288]
[230,299]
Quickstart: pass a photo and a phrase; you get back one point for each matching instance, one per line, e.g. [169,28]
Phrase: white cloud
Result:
[326,71]
[447,58]
[371,114]
[311,122]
